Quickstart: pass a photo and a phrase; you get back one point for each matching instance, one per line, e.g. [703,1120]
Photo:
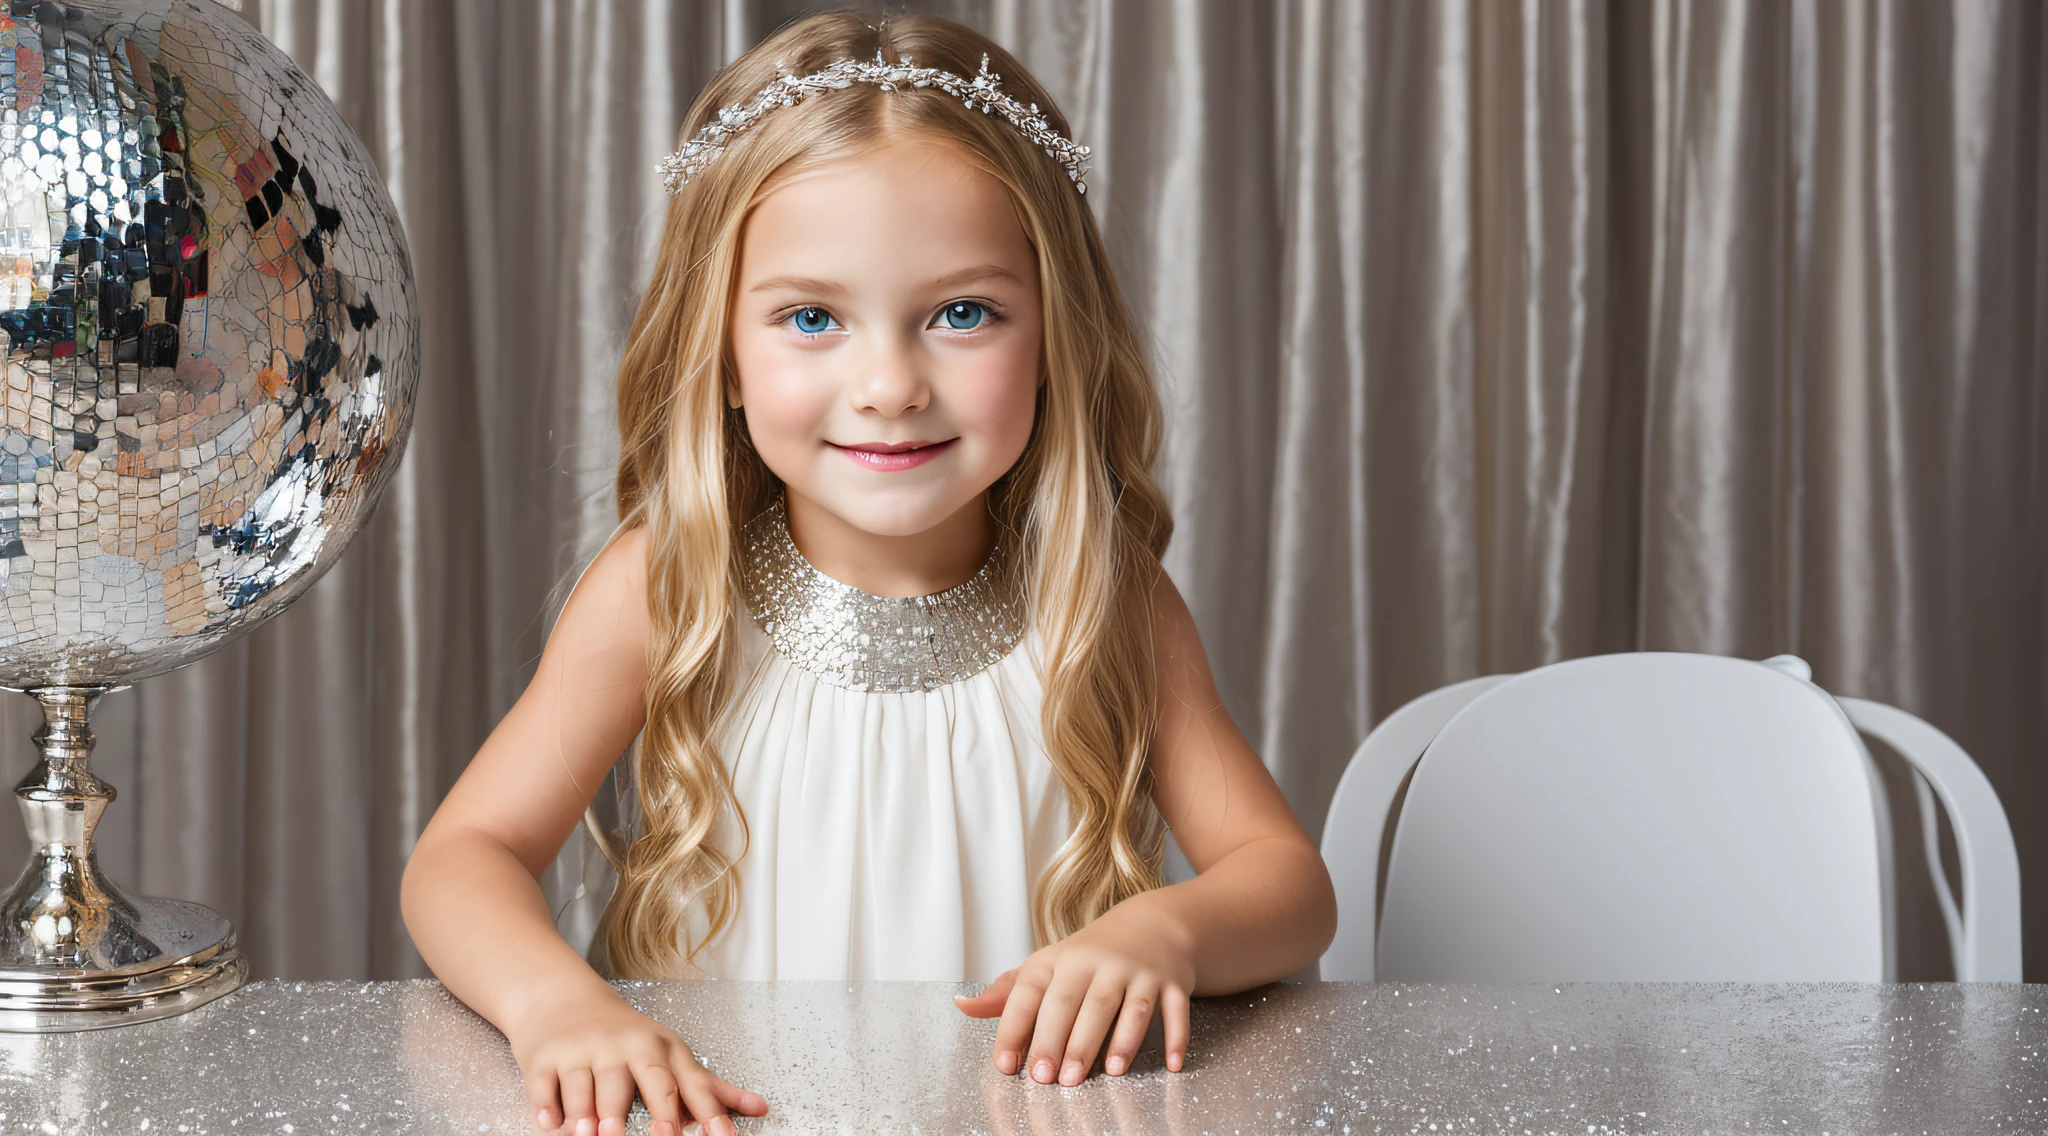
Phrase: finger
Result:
[614,1100]
[1131,1025]
[1055,1022]
[1020,1013]
[738,1099]
[1098,1012]
[1173,1009]
[546,1098]
[579,1101]
[664,1100]
[989,1002]
[704,1104]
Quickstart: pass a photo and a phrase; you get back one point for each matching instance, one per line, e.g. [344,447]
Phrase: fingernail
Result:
[611,1126]
[1071,1073]
[1113,1065]
[1041,1071]
[586,1127]
[1173,1061]
[1006,1061]
[545,1120]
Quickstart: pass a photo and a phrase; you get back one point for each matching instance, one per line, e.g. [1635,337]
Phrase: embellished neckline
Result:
[857,640]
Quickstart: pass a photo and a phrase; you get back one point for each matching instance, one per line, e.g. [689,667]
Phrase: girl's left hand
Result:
[1065,998]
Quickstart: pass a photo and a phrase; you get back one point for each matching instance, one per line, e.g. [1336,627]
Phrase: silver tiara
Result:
[678,168]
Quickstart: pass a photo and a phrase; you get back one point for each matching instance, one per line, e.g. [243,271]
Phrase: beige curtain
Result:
[1493,334]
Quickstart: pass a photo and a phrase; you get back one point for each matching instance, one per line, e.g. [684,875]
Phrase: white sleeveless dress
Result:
[888,757]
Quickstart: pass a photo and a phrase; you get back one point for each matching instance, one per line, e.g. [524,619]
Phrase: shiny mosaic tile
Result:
[207,332]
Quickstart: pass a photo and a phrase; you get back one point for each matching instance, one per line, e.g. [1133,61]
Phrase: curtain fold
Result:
[1491,334]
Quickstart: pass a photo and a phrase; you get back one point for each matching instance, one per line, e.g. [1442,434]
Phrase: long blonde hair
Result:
[1080,504]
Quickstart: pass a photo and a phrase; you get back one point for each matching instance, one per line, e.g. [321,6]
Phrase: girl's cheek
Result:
[999,401]
[785,404]
[783,435]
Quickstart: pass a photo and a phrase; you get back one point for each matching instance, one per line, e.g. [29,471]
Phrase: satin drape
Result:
[1492,334]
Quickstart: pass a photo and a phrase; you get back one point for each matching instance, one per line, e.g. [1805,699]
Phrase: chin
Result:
[898,513]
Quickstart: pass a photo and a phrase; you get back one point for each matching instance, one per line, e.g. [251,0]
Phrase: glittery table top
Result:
[283,1057]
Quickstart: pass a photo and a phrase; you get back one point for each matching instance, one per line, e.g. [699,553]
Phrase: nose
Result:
[892,380]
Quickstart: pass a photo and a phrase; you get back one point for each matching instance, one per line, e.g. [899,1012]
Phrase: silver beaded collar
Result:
[849,638]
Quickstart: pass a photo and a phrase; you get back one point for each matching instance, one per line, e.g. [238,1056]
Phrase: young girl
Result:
[885,613]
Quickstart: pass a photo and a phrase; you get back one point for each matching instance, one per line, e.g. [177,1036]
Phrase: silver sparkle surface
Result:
[281,1057]
[853,639]
[209,335]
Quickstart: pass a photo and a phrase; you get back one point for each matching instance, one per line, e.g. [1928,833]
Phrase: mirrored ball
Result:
[209,331]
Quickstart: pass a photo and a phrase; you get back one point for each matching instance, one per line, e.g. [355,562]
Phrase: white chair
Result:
[1649,817]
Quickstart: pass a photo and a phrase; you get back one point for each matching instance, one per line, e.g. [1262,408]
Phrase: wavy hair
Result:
[1080,503]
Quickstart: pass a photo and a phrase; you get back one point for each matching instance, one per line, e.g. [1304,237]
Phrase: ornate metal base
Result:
[76,953]
[56,999]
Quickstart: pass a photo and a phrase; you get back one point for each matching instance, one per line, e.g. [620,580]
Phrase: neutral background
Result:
[1493,334]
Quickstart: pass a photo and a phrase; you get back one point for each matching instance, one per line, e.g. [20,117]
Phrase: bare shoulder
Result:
[528,784]
[606,610]
[618,572]
[1181,663]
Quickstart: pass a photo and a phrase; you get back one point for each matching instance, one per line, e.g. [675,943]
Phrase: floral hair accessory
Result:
[981,91]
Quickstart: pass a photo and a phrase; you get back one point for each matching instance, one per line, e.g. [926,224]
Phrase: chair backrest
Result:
[1360,817]
[1648,816]
[1984,929]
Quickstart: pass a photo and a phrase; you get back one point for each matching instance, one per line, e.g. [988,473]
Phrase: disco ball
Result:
[210,334]
[210,345]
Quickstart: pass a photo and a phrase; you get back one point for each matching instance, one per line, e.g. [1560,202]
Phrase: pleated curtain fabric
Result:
[1492,334]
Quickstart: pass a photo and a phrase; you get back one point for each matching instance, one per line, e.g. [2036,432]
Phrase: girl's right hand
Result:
[585,1061]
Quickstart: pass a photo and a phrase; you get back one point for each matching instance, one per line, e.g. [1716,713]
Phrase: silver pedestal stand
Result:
[76,953]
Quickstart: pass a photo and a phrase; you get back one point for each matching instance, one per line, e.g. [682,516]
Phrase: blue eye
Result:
[812,321]
[963,315]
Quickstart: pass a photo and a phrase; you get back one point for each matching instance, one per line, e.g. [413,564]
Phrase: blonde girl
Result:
[912,696]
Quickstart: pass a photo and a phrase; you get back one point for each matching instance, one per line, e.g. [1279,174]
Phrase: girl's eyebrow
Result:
[978,272]
[796,284]
[816,286]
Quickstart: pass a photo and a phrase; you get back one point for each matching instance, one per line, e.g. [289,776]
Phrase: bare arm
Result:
[1261,905]
[472,897]
[1259,909]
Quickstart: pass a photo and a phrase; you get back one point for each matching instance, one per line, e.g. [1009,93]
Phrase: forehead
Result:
[909,208]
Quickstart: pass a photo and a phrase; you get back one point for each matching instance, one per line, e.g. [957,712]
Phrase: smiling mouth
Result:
[891,457]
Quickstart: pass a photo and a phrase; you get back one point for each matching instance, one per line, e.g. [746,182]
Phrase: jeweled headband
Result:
[981,91]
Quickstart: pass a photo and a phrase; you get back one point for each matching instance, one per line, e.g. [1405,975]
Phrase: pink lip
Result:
[889,457]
